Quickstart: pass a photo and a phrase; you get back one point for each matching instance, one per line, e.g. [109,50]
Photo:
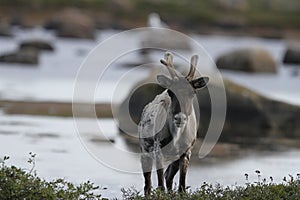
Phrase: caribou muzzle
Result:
[180,120]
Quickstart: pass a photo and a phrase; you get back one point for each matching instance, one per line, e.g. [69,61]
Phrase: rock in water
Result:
[248,60]
[22,56]
[37,44]
[292,55]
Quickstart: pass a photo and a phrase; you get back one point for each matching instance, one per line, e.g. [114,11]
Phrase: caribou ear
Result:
[164,81]
[200,82]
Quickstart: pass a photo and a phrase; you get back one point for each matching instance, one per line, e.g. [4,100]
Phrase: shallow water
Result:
[54,78]
[61,152]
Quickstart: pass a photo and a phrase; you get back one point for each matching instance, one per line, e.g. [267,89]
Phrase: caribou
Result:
[168,126]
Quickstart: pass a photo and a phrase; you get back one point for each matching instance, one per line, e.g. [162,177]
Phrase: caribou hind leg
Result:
[147,168]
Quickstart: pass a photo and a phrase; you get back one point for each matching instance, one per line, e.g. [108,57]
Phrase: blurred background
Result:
[255,45]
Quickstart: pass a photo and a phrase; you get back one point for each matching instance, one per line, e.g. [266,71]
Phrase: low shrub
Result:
[260,190]
[17,183]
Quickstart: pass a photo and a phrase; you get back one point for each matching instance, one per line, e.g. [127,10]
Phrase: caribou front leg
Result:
[170,173]
[147,161]
[183,165]
[159,161]
[160,178]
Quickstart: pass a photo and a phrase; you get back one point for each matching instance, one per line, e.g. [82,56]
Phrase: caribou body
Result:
[168,126]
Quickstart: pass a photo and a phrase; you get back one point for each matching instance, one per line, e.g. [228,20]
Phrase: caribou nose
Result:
[180,119]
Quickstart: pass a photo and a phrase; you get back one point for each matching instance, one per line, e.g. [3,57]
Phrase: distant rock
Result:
[250,118]
[37,44]
[28,52]
[292,55]
[16,19]
[72,23]
[22,56]
[5,31]
[52,24]
[248,60]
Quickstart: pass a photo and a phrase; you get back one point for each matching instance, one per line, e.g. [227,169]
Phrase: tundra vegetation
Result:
[18,183]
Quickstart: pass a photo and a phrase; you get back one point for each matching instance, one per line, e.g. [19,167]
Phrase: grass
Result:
[17,183]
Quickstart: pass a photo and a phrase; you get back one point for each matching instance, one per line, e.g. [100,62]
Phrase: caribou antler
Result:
[194,60]
[168,62]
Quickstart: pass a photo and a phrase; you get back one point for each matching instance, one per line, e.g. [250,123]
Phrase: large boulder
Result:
[248,60]
[243,110]
[72,23]
[22,56]
[292,55]
[37,44]
[250,118]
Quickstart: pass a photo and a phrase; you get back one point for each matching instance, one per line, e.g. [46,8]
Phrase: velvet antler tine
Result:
[191,74]
[168,62]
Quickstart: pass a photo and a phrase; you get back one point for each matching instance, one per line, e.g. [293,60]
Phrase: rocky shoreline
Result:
[59,109]
[87,20]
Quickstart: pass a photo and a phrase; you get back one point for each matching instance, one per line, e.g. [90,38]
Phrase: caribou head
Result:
[181,89]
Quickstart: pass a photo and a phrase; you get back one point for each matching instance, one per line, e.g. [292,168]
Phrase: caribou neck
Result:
[175,105]
[189,130]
